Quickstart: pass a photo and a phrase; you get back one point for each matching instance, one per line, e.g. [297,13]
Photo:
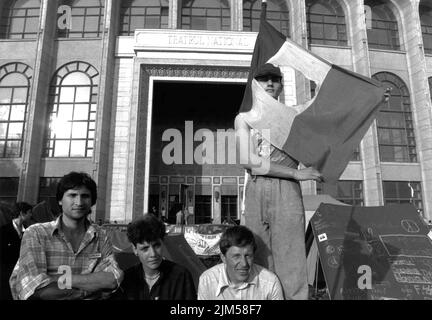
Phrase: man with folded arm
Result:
[69,258]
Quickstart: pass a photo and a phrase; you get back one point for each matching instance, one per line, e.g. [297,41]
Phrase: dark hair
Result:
[238,236]
[21,207]
[74,180]
[147,228]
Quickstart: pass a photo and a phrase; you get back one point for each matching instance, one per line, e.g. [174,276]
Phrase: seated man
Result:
[238,278]
[68,258]
[153,278]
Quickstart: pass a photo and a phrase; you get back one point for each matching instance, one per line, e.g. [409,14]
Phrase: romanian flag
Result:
[325,131]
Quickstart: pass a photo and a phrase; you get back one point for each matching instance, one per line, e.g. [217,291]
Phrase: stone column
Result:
[236,8]
[104,110]
[301,85]
[173,14]
[420,95]
[38,104]
[373,194]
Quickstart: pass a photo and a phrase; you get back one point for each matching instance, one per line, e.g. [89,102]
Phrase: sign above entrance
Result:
[187,40]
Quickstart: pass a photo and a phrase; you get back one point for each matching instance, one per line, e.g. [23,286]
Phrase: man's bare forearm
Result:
[271,169]
[53,292]
[94,281]
[82,286]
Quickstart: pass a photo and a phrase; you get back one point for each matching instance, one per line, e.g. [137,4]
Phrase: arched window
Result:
[382,31]
[20,19]
[326,22]
[87,19]
[426,26]
[14,91]
[71,129]
[277,14]
[143,14]
[395,124]
[205,15]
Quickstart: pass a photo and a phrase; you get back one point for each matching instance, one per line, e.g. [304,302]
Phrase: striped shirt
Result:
[44,248]
[262,284]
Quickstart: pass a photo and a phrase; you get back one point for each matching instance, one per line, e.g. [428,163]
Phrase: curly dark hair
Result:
[21,207]
[74,180]
[145,229]
[238,236]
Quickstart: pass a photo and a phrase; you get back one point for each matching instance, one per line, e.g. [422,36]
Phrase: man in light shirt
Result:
[238,278]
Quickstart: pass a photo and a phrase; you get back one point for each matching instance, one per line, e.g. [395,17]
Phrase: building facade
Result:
[142,95]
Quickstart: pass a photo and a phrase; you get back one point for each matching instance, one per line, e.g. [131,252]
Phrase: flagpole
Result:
[263,10]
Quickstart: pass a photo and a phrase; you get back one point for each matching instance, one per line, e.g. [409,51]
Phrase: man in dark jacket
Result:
[154,278]
[10,242]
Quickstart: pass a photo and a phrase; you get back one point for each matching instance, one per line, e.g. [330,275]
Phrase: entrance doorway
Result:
[185,117]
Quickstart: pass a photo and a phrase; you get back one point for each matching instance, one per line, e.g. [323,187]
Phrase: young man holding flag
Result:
[322,134]
[274,206]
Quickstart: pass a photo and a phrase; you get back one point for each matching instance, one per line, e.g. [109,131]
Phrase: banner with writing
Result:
[203,244]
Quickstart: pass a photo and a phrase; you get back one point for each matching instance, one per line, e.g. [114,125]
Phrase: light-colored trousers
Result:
[274,212]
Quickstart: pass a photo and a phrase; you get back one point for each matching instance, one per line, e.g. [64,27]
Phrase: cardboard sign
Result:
[370,253]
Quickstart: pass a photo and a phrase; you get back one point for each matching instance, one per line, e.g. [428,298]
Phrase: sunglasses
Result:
[268,77]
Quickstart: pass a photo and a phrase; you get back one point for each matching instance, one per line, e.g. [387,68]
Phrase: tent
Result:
[311,204]
[373,252]
[42,212]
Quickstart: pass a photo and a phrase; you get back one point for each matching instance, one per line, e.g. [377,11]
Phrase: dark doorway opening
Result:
[205,105]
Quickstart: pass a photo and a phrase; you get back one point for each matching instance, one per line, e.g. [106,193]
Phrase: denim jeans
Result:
[274,212]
